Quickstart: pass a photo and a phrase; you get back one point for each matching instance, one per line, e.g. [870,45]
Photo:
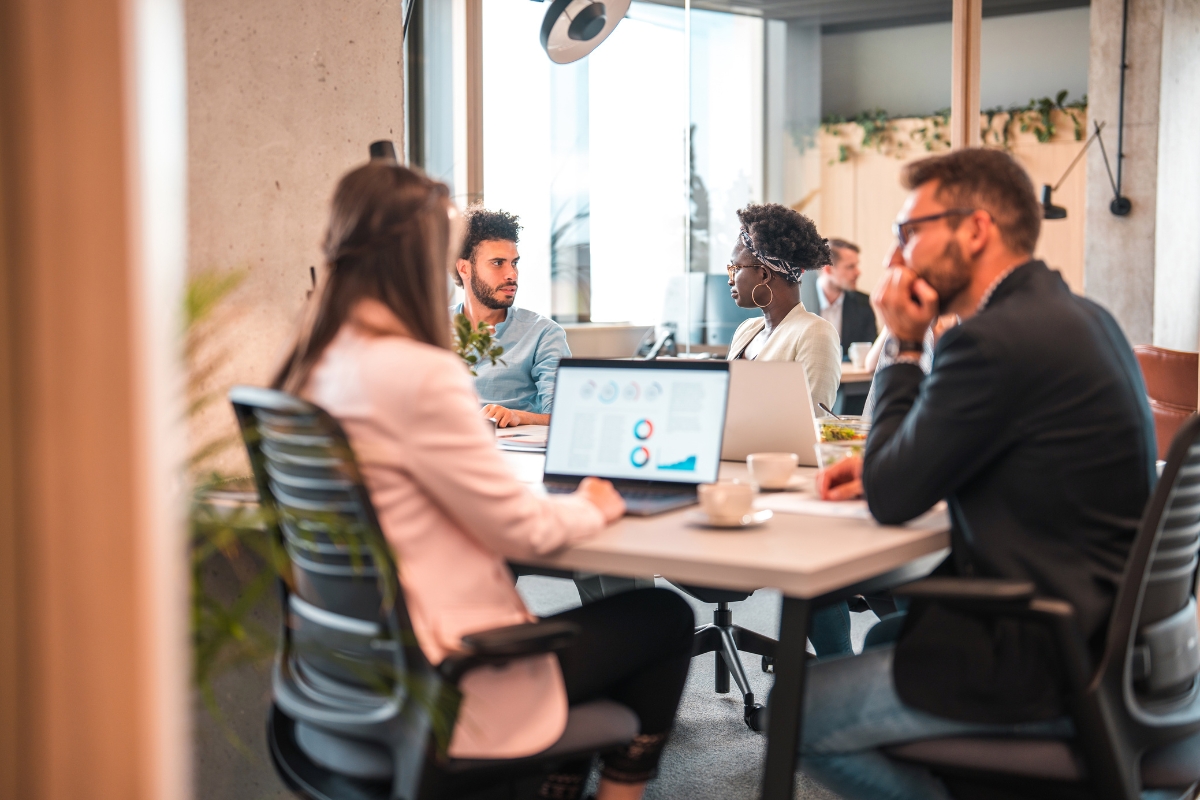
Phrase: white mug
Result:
[858,353]
[726,501]
[772,470]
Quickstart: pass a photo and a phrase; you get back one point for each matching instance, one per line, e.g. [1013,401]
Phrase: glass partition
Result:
[594,158]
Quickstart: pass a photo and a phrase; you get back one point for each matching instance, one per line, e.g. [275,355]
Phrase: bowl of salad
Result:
[846,429]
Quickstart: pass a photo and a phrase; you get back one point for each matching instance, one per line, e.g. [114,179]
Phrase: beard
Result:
[490,296]
[949,275]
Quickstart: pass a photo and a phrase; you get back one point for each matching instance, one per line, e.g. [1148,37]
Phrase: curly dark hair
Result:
[486,226]
[781,232]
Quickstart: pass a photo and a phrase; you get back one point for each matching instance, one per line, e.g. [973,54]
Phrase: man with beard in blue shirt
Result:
[519,391]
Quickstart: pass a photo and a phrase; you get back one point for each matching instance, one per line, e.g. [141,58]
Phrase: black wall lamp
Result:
[383,150]
[1119,205]
[574,28]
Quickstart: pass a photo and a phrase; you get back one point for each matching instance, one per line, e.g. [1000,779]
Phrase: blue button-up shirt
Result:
[532,344]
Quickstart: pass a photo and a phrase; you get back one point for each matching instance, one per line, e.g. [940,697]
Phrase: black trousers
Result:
[634,648]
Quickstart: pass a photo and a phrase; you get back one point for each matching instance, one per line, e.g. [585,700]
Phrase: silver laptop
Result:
[770,410]
[651,427]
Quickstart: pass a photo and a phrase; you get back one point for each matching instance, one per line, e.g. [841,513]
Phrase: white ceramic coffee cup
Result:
[772,470]
[858,353]
[726,501]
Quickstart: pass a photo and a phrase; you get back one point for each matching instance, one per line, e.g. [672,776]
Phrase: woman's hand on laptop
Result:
[841,481]
[603,496]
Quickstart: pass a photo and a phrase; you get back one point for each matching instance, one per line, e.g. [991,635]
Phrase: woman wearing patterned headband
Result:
[775,246]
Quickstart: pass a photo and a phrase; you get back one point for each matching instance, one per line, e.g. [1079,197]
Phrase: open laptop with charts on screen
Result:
[651,427]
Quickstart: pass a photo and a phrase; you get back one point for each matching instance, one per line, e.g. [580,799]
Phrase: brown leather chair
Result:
[1171,381]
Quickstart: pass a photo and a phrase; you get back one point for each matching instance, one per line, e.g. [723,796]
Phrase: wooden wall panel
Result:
[79,683]
[859,198]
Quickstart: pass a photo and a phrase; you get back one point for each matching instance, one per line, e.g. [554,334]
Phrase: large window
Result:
[593,156]
[627,168]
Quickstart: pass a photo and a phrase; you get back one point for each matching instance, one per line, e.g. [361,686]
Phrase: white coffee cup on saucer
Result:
[726,502]
[858,353]
[772,470]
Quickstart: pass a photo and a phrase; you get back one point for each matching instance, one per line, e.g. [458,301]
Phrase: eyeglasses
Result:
[905,229]
[732,269]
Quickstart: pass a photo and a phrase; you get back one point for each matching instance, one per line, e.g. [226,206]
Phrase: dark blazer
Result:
[1034,426]
[858,319]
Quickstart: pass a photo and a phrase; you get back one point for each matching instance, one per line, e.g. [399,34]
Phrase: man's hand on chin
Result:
[841,481]
[907,303]
[508,418]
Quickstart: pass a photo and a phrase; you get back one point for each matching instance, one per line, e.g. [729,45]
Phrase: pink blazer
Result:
[452,512]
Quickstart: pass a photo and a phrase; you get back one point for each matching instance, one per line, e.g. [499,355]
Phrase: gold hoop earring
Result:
[755,300]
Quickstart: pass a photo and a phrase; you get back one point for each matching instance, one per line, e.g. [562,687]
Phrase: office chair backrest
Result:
[1170,377]
[347,628]
[1153,642]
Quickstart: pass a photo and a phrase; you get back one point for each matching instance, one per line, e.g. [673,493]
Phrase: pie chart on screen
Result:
[640,457]
[643,429]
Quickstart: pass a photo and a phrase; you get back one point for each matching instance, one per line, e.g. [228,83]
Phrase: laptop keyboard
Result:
[629,492]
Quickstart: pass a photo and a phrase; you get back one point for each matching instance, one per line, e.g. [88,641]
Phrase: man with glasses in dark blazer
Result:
[1033,425]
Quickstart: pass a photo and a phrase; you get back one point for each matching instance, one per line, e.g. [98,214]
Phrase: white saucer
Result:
[797,483]
[752,520]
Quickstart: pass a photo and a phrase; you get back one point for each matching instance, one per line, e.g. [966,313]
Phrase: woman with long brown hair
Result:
[373,350]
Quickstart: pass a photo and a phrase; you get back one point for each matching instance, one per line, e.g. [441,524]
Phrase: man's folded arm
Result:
[930,435]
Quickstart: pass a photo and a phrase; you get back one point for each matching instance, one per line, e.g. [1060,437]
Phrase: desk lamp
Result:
[574,28]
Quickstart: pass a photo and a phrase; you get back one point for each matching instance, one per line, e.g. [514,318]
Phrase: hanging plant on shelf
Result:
[880,132]
[475,344]
[933,135]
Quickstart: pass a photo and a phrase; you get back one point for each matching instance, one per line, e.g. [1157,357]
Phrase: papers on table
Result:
[796,503]
[524,438]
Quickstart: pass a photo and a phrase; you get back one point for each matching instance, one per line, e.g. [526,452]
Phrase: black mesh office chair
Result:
[1137,713]
[725,639]
[358,712]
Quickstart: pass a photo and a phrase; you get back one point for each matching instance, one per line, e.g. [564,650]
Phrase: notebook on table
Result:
[653,428]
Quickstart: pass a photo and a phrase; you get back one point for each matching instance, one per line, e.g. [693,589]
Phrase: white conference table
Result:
[809,558]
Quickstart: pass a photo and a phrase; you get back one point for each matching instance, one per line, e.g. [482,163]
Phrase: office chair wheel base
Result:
[768,665]
[756,718]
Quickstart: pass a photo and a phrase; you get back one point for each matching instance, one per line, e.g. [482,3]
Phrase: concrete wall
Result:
[283,98]
[1119,257]
[1177,244]
[907,70]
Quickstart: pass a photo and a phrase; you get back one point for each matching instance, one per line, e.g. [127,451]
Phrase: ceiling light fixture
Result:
[574,28]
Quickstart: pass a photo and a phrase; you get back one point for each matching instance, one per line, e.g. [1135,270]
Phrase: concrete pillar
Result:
[1119,252]
[283,98]
[1177,245]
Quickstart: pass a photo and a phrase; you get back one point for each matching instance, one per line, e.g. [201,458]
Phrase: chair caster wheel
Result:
[756,717]
[768,664]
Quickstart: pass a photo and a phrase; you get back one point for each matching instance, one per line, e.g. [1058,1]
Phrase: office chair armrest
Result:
[1002,597]
[972,591]
[501,645]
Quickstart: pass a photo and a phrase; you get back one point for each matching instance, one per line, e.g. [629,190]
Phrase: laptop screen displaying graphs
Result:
[640,420]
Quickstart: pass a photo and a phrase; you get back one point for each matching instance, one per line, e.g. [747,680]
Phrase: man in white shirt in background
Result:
[832,294]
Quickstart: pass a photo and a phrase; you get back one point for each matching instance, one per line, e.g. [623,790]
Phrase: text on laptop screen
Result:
[642,424]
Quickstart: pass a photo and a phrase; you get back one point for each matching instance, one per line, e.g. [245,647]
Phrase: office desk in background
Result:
[852,391]
[810,559]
